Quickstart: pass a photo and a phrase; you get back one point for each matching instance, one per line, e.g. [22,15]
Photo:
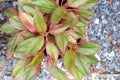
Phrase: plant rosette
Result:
[52,29]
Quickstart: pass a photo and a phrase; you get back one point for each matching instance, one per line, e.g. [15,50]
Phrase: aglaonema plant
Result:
[53,29]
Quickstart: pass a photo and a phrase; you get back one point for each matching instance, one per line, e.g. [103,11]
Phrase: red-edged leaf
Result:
[55,71]
[27,20]
[39,22]
[61,40]
[57,15]
[52,50]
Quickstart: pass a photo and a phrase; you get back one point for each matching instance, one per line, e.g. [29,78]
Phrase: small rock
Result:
[96,21]
[112,54]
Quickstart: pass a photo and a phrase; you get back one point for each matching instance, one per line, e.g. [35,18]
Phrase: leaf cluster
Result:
[52,29]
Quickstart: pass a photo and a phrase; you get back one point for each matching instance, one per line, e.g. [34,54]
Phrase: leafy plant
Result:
[52,29]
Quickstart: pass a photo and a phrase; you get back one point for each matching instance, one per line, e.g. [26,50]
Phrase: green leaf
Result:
[27,21]
[88,49]
[28,9]
[57,15]
[60,28]
[30,73]
[89,4]
[13,42]
[61,40]
[35,45]
[86,13]
[74,34]
[19,68]
[55,71]
[81,64]
[71,39]
[84,20]
[16,23]
[81,23]
[52,50]
[25,0]
[69,59]
[90,59]
[71,15]
[39,22]
[10,12]
[80,30]
[46,6]
[7,28]
[26,34]
[38,58]
[29,46]
[76,3]
[76,73]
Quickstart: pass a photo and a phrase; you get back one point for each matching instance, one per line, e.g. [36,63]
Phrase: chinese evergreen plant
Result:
[53,29]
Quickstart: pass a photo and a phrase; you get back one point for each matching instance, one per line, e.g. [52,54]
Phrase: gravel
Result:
[104,28]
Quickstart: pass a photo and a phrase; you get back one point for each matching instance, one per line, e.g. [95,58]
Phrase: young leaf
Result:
[52,50]
[39,22]
[7,28]
[76,3]
[38,58]
[88,49]
[46,6]
[61,40]
[27,21]
[90,59]
[69,59]
[57,15]
[10,12]
[55,71]
[81,64]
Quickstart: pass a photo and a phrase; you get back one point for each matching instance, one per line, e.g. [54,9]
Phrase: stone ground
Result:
[105,29]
